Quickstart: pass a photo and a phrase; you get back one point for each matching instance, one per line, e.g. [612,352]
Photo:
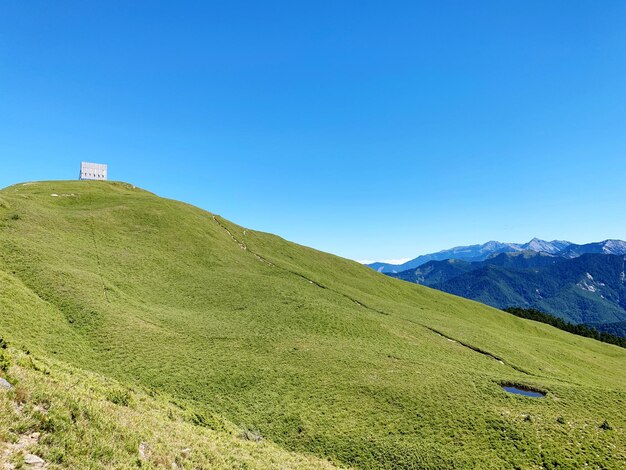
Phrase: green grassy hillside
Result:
[321,355]
[75,419]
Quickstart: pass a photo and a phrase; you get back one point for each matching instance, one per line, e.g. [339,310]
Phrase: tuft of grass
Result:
[119,396]
[20,394]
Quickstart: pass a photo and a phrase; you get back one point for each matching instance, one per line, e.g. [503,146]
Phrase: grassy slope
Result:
[88,421]
[320,354]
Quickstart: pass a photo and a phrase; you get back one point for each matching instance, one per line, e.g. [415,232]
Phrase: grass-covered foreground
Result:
[73,419]
[320,356]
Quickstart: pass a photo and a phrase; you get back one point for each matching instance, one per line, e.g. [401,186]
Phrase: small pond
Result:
[523,391]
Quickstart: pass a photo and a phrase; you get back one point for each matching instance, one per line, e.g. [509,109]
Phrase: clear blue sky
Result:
[372,130]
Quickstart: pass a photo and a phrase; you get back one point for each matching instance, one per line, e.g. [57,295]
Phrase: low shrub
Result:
[119,397]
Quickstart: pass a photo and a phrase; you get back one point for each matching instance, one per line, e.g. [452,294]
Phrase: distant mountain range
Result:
[482,252]
[579,283]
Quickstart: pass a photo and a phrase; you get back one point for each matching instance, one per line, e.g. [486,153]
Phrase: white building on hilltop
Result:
[93,171]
